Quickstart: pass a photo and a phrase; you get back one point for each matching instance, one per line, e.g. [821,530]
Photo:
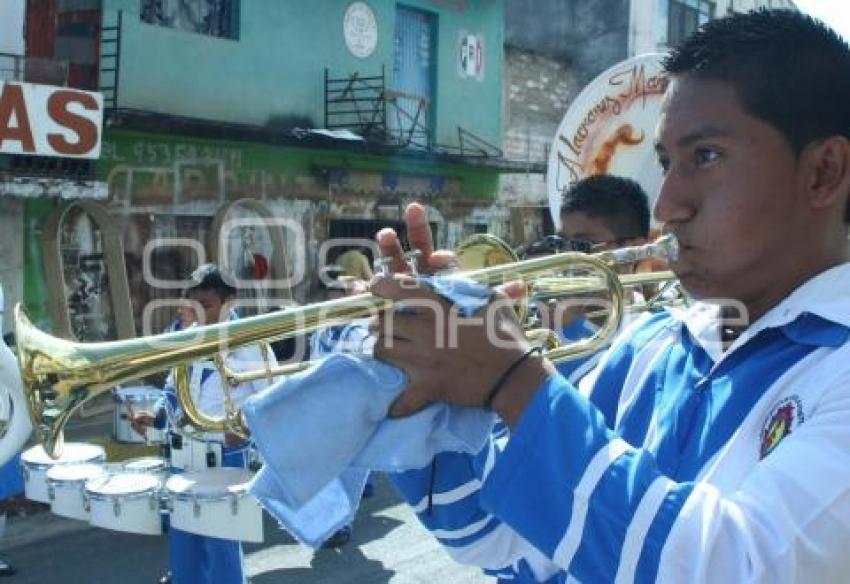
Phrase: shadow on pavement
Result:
[341,565]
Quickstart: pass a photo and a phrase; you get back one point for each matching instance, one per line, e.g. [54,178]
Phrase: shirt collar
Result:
[827,295]
[817,313]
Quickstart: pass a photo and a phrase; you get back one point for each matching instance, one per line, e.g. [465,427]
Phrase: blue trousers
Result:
[197,559]
[11,478]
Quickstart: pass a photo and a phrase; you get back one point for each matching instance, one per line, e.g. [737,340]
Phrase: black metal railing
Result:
[110,61]
[357,103]
[471,145]
[409,126]
[363,105]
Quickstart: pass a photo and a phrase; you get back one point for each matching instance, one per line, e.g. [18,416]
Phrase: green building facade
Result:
[252,133]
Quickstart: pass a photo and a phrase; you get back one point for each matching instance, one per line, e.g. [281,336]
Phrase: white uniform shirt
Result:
[205,381]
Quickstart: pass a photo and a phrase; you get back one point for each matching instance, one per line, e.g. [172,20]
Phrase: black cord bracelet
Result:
[497,387]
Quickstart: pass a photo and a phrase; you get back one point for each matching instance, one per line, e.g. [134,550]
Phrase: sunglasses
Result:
[559,244]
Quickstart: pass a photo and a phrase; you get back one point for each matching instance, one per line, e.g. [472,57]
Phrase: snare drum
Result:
[135,399]
[152,465]
[36,462]
[128,502]
[215,503]
[66,488]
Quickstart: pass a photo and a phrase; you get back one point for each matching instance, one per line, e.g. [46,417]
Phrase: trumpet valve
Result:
[381,266]
[411,258]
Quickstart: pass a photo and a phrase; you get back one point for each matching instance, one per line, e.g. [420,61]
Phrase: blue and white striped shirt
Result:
[352,337]
[677,461]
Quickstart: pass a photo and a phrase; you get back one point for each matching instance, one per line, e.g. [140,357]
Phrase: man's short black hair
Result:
[618,201]
[211,277]
[788,69]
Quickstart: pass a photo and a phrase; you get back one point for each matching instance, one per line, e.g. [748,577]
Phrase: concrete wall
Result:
[553,49]
[275,68]
[538,90]
[589,34]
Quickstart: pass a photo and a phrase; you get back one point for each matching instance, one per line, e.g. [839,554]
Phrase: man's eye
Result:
[703,156]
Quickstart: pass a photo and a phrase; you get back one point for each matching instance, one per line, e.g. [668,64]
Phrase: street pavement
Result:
[388,546]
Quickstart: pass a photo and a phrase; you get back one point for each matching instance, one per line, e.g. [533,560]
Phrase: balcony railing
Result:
[33,70]
[363,105]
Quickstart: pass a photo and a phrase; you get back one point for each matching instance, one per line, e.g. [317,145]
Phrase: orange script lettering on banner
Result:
[44,120]
[610,129]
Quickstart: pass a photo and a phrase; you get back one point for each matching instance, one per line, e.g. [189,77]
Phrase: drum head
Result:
[122,484]
[145,464]
[210,483]
[74,472]
[72,452]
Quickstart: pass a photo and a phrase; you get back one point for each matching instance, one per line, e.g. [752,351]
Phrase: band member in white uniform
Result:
[197,559]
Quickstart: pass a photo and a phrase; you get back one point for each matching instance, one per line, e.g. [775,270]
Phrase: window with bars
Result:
[218,18]
[685,16]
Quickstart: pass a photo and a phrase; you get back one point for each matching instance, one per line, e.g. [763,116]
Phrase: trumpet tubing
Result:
[541,289]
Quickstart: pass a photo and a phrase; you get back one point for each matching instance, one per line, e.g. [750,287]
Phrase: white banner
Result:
[610,129]
[43,120]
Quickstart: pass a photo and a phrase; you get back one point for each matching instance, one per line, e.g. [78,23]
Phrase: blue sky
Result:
[835,13]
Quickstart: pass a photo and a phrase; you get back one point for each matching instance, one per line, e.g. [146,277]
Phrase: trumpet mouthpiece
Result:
[668,247]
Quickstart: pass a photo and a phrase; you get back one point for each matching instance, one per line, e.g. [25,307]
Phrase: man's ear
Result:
[828,174]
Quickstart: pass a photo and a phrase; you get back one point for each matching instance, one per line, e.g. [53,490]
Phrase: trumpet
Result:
[541,289]
[59,376]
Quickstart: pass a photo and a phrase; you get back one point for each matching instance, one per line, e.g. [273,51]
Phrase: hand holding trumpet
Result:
[464,368]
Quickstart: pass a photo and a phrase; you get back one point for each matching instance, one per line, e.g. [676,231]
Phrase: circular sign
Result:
[471,56]
[360,28]
[610,129]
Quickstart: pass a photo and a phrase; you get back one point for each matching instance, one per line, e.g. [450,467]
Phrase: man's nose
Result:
[675,202]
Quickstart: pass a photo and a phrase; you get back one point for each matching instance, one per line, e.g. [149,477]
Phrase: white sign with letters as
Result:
[43,120]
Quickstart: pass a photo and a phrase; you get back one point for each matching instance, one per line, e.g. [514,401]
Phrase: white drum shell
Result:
[66,488]
[35,463]
[139,398]
[194,454]
[127,502]
[207,507]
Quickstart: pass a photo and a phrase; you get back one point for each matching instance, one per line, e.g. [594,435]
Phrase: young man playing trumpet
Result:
[713,445]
